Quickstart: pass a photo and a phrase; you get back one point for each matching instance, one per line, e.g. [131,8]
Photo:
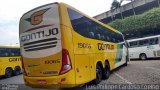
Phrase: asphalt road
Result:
[137,72]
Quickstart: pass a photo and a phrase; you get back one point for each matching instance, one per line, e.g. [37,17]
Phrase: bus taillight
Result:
[66,63]
[23,69]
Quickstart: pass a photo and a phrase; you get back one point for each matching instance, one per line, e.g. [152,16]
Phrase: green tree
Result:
[115,4]
[149,19]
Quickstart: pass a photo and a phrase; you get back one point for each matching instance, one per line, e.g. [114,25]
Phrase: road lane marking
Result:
[122,78]
[153,68]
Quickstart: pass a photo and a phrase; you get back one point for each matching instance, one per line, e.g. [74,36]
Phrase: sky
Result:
[12,10]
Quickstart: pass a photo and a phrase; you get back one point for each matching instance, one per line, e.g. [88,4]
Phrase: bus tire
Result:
[8,72]
[17,70]
[143,56]
[98,74]
[106,71]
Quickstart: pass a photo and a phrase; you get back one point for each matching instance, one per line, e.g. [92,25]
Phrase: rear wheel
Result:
[17,70]
[98,74]
[143,56]
[8,72]
[106,72]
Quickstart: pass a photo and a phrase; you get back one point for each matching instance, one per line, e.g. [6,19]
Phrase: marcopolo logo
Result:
[37,17]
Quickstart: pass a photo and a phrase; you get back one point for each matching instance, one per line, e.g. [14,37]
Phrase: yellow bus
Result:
[10,61]
[62,47]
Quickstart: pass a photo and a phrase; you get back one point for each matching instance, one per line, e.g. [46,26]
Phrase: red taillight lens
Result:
[66,63]
[23,69]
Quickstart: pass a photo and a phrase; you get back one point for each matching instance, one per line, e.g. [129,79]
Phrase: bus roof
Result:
[9,47]
[147,37]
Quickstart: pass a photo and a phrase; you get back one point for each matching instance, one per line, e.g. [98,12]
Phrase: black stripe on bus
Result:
[40,45]
[39,41]
[40,48]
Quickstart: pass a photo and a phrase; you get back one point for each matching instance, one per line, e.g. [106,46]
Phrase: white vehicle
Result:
[144,48]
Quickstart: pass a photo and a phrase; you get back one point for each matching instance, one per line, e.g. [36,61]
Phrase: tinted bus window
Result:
[9,52]
[133,44]
[151,41]
[141,42]
[90,29]
[146,42]
[4,52]
[15,52]
[156,40]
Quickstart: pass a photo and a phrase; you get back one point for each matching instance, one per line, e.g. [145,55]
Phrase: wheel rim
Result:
[143,57]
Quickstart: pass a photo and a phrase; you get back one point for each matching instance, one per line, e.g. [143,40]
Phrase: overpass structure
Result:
[133,8]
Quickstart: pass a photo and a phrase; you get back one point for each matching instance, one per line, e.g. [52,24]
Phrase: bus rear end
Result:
[45,62]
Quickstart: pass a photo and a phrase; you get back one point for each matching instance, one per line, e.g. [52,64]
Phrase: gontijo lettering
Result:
[14,59]
[39,34]
[102,46]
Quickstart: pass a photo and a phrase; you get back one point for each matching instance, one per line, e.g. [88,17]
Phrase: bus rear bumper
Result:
[60,81]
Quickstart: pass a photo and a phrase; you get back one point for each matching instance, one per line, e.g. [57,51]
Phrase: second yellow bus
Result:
[10,61]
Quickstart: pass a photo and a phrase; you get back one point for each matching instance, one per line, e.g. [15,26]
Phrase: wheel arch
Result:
[9,68]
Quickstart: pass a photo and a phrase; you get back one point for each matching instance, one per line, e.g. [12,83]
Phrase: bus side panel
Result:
[149,50]
[4,61]
[82,59]
[92,66]
[104,52]
[15,61]
[87,53]
[9,62]
[134,52]
[82,63]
